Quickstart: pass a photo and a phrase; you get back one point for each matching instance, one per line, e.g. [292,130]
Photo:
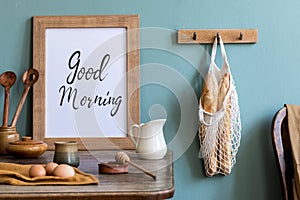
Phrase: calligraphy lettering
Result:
[89,73]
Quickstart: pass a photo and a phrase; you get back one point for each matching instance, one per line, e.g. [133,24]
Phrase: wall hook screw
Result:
[241,36]
[218,35]
[195,36]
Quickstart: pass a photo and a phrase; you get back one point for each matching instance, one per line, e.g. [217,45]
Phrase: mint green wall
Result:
[266,74]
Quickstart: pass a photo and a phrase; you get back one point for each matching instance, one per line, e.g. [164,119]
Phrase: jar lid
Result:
[26,141]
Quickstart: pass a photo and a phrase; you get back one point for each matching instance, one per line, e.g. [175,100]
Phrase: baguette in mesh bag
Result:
[209,101]
[224,138]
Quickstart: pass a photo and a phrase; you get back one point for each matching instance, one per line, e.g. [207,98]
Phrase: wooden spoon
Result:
[29,78]
[7,80]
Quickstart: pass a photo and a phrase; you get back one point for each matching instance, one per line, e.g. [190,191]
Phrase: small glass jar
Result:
[7,135]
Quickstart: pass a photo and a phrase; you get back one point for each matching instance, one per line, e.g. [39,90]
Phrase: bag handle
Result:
[212,118]
[223,52]
[214,49]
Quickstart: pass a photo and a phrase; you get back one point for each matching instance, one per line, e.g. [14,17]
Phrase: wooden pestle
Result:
[123,158]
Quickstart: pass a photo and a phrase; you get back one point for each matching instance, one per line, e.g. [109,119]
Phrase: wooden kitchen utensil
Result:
[123,158]
[7,80]
[29,78]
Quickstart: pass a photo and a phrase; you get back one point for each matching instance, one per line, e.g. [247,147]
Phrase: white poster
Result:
[85,82]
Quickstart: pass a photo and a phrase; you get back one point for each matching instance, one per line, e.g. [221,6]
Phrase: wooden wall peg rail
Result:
[207,36]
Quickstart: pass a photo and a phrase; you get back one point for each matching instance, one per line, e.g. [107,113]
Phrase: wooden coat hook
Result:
[207,36]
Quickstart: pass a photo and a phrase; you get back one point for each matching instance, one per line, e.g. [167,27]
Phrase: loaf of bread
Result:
[209,96]
[223,89]
[209,101]
[225,145]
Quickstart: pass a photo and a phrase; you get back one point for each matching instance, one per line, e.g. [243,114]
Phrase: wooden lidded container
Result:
[26,148]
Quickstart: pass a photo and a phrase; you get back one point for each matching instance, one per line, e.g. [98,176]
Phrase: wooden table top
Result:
[133,185]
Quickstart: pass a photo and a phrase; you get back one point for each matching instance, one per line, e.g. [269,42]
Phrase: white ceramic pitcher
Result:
[149,139]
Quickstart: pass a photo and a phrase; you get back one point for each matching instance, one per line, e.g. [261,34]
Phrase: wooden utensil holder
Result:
[7,135]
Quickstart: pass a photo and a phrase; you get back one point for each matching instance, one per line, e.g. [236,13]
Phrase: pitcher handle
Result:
[132,136]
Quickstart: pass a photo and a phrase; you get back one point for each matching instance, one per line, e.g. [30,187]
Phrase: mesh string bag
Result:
[220,131]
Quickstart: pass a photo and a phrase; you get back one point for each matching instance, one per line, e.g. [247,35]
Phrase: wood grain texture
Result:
[131,23]
[6,107]
[207,36]
[283,152]
[133,185]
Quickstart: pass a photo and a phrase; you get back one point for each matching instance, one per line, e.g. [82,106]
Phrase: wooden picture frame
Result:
[43,48]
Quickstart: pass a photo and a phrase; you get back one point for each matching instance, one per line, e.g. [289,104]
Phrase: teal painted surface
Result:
[266,74]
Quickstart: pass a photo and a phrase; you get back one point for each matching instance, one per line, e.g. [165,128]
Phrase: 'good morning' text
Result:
[70,94]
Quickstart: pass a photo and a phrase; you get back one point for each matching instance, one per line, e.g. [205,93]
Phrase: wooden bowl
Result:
[112,168]
[26,148]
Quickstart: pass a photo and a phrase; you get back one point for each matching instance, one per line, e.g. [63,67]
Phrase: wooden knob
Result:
[26,138]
